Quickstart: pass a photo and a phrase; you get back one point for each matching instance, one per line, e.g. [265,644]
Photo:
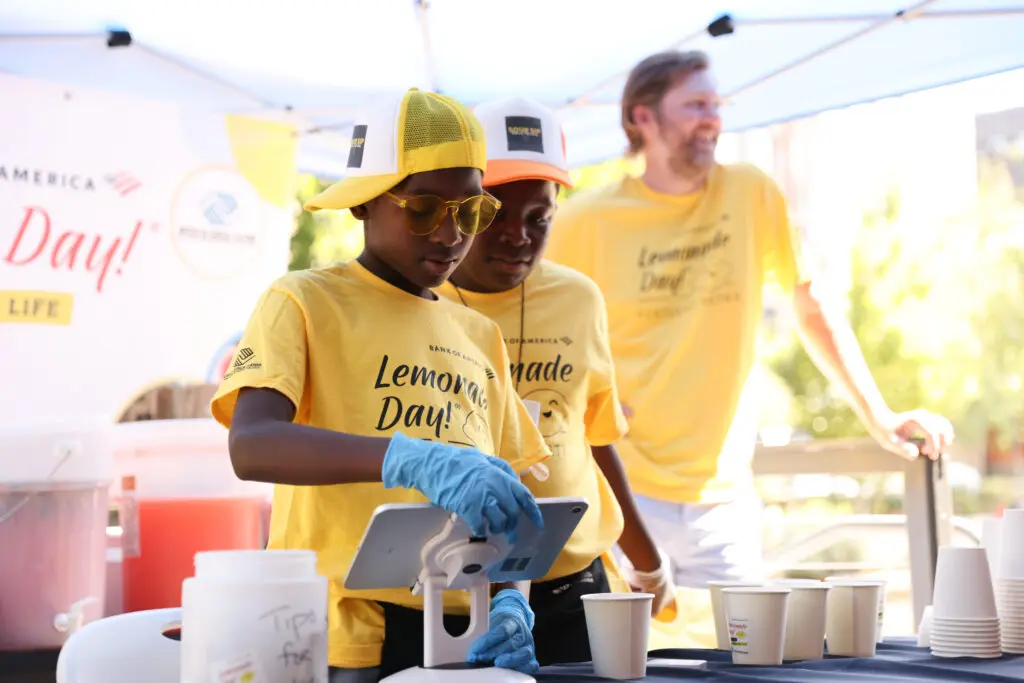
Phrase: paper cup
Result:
[793,582]
[757,623]
[618,625]
[718,607]
[539,471]
[532,407]
[963,585]
[851,624]
[881,599]
[805,621]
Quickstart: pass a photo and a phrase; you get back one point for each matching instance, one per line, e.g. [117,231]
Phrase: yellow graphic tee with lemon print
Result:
[357,355]
[566,366]
[683,279]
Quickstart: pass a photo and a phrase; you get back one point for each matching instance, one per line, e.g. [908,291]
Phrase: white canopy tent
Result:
[314,61]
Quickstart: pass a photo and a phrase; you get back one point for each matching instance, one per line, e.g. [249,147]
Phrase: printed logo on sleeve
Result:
[243,355]
[524,134]
[355,152]
[245,359]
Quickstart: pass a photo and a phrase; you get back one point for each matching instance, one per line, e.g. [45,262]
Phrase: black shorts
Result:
[560,629]
[559,632]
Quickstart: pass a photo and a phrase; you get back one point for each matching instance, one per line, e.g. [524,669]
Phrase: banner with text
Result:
[135,237]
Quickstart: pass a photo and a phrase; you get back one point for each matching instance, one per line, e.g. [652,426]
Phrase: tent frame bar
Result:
[916,12]
[152,52]
[857,18]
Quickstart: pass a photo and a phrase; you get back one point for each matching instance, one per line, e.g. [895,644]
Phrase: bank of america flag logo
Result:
[123,183]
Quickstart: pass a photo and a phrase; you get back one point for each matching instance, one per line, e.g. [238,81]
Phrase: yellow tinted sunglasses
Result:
[426,212]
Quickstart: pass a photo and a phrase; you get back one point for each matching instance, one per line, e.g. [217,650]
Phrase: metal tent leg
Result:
[929,508]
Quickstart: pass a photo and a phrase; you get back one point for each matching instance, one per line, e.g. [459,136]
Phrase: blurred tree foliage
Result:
[939,313]
[322,237]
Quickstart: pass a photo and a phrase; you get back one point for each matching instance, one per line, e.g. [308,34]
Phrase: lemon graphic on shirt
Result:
[476,430]
[554,411]
[554,417]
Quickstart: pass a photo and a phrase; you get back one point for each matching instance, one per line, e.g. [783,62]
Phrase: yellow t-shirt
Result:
[683,279]
[358,355]
[566,366]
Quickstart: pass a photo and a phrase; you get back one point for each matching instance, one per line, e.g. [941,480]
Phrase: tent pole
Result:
[422,7]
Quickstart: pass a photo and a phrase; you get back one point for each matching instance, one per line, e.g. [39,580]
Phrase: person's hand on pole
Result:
[483,490]
[936,432]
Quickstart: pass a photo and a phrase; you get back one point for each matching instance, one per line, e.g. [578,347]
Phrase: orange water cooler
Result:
[178,495]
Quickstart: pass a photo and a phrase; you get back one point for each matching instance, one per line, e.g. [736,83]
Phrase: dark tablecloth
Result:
[897,660]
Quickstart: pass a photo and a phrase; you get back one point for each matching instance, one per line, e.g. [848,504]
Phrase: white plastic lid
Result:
[79,452]
[255,565]
[179,459]
[169,437]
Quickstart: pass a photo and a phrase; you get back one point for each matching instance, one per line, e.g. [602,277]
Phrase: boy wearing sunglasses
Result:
[355,385]
[554,323]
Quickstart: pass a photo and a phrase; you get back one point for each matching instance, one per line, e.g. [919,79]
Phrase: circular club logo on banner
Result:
[217,222]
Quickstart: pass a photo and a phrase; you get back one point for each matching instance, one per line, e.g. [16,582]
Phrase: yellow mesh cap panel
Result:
[439,132]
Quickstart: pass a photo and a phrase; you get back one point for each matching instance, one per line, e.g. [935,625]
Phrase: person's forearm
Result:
[521,586]
[832,346]
[635,542]
[289,453]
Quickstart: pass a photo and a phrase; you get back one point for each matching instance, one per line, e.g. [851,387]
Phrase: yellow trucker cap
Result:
[413,133]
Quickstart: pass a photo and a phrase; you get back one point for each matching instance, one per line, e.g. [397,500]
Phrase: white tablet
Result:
[389,554]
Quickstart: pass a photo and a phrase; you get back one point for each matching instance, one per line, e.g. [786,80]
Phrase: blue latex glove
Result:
[509,641]
[483,490]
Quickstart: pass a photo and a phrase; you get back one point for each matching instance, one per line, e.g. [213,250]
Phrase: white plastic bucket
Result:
[54,506]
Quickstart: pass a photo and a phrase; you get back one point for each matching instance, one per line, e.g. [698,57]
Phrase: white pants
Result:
[707,542]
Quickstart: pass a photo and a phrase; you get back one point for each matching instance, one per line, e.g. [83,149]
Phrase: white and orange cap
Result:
[524,142]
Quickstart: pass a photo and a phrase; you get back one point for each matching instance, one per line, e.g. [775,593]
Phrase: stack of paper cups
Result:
[924,628]
[964,618]
[992,542]
[1010,582]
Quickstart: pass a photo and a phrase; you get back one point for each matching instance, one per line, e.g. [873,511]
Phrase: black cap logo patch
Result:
[524,134]
[355,153]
